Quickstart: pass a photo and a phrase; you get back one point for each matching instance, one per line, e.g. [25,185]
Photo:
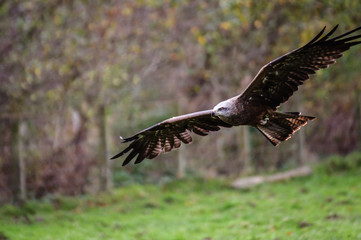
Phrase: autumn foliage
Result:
[77,74]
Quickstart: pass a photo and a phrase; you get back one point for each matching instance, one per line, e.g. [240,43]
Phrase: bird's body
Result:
[235,112]
[256,106]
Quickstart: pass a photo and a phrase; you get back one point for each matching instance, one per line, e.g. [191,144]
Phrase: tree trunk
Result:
[105,174]
[22,163]
[301,150]
[358,117]
[245,150]
[58,128]
[181,169]
[244,183]
[14,175]
[182,162]
[109,174]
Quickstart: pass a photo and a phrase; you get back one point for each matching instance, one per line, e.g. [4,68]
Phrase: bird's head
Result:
[223,109]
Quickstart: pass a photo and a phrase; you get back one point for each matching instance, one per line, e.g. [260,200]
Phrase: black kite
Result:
[255,107]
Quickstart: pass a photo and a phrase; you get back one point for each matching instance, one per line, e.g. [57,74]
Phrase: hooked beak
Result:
[213,113]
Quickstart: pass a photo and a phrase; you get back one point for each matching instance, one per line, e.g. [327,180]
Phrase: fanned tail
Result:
[280,126]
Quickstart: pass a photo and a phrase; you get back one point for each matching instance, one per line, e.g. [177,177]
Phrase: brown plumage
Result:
[169,134]
[256,106]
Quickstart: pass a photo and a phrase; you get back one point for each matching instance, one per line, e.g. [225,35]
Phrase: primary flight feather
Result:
[256,106]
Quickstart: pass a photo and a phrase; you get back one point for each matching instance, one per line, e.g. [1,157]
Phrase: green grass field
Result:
[317,207]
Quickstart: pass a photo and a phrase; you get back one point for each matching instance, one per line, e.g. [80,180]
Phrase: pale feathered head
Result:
[223,109]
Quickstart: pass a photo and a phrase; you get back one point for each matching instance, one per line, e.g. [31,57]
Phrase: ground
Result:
[321,206]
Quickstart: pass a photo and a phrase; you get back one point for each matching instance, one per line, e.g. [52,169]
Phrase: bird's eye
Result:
[221,108]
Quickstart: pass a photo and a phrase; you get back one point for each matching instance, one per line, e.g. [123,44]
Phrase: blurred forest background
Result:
[74,75]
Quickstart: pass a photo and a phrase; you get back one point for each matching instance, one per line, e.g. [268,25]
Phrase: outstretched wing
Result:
[169,134]
[277,81]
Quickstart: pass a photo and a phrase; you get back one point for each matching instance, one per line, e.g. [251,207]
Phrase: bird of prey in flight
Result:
[256,106]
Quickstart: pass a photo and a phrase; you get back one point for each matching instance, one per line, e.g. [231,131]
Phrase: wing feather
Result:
[199,131]
[155,149]
[169,134]
[167,147]
[139,159]
[170,139]
[141,149]
[185,137]
[278,80]
[130,156]
[177,142]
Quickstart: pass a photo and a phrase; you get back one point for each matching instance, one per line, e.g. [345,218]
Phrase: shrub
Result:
[337,163]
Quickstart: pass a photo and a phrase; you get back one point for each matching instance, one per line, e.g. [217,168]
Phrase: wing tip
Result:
[116,156]
[309,118]
[125,162]
[124,140]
